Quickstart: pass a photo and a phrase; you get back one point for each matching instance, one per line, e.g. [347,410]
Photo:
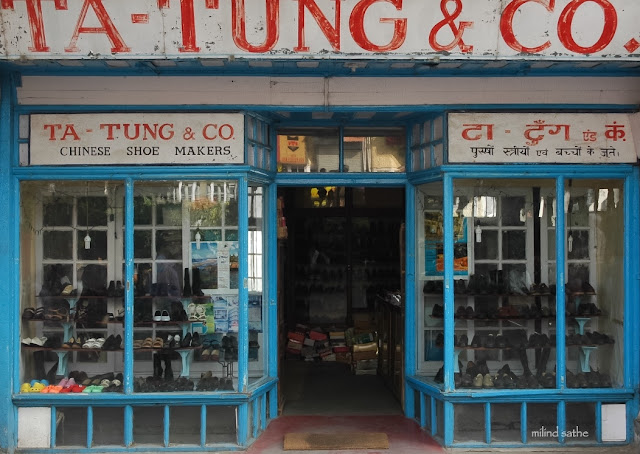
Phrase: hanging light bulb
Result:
[570,242]
[478,234]
[198,238]
[541,212]
[180,191]
[106,189]
[87,241]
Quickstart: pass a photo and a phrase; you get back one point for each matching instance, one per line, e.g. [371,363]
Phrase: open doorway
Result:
[341,300]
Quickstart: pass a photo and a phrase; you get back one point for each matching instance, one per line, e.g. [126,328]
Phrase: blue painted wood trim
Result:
[89,426]
[562,419]
[166,426]
[434,416]
[52,439]
[449,357]
[271,283]
[128,425]
[449,423]
[519,395]
[349,179]
[423,410]
[631,204]
[256,417]
[9,267]
[560,283]
[128,295]
[147,173]
[243,292]
[243,424]
[263,411]
[487,423]
[598,422]
[203,425]
[220,447]
[410,297]
[523,422]
[427,411]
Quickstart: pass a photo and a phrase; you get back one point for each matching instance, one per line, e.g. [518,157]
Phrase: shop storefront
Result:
[145,148]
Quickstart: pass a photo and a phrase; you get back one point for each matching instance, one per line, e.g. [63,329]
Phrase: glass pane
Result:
[379,150]
[142,210]
[57,211]
[66,263]
[595,283]
[429,230]
[514,245]
[257,320]
[316,150]
[186,292]
[57,245]
[505,319]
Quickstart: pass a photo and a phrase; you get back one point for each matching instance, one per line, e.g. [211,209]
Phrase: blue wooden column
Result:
[270,286]
[410,299]
[9,249]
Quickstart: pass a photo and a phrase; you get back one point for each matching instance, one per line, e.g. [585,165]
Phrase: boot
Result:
[168,372]
[195,288]
[524,360]
[542,362]
[187,283]
[157,366]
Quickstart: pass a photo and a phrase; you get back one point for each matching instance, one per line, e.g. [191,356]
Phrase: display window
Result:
[185,293]
[506,294]
[363,150]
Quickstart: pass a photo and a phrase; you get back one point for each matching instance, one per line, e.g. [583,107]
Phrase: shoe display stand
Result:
[576,322]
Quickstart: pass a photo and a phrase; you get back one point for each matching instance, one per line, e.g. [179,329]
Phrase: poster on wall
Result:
[434,245]
[217,263]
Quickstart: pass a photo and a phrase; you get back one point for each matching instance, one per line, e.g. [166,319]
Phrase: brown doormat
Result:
[348,440]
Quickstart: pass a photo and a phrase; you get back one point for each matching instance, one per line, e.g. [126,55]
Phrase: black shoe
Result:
[469,312]
[463,341]
[491,341]
[111,291]
[439,378]
[477,341]
[186,340]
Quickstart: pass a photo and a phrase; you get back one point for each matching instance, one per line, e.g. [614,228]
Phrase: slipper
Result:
[25,388]
[77,388]
[158,343]
[137,343]
[63,382]
[26,341]
[39,314]
[147,343]
[70,383]
[53,389]
[105,383]
[28,313]
[37,387]
[38,341]
[65,390]
[69,343]
[90,343]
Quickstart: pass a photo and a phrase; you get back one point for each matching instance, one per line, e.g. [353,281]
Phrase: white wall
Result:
[334,91]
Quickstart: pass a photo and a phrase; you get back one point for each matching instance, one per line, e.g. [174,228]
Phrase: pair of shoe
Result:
[483,381]
[94,343]
[161,316]
[34,341]
[112,343]
[173,341]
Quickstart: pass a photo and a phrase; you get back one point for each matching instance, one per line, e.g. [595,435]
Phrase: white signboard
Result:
[564,138]
[136,138]
[193,29]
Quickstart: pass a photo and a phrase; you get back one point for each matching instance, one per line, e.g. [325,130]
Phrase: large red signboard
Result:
[513,29]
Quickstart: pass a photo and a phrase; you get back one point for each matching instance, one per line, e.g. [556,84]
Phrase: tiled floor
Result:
[405,436]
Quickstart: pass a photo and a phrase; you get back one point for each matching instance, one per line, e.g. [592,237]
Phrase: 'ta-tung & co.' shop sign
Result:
[563,138]
[107,139]
[485,29]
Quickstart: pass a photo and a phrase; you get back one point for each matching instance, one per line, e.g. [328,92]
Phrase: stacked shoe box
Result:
[365,354]
[295,343]
[339,346]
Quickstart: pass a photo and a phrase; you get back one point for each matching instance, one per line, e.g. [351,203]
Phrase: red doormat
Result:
[306,441]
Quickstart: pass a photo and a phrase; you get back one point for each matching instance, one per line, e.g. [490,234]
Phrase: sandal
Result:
[56,314]
[201,315]
[39,314]
[147,343]
[191,308]
[70,343]
[137,343]
[158,343]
